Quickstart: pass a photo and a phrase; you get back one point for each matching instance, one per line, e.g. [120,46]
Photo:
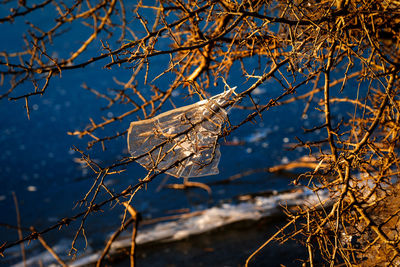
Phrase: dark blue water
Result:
[38,164]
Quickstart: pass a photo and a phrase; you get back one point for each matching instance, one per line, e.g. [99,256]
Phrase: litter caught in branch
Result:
[188,132]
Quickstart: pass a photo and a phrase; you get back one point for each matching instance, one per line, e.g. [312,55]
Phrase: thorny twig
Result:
[331,45]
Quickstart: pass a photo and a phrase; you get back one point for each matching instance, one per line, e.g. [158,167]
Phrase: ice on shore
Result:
[201,222]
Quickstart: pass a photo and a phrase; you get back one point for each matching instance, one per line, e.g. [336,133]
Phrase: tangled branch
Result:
[340,57]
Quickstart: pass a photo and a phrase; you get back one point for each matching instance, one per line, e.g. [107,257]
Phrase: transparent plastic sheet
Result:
[189,132]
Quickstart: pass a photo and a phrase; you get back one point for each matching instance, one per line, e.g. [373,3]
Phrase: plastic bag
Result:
[185,137]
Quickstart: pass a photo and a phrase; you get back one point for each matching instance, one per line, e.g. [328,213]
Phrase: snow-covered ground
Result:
[201,222]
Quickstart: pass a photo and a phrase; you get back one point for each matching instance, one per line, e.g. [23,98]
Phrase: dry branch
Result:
[326,53]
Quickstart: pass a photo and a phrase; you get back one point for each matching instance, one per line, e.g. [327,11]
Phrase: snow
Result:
[201,222]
